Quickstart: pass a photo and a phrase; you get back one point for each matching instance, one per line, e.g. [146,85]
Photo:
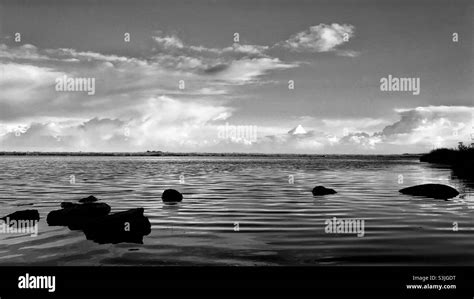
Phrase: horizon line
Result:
[166,153]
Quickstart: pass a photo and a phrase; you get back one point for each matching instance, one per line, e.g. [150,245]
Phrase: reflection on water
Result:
[279,223]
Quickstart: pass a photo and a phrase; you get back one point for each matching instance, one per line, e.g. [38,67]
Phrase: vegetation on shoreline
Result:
[460,160]
[452,156]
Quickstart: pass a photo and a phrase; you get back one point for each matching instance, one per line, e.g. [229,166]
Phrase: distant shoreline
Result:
[174,154]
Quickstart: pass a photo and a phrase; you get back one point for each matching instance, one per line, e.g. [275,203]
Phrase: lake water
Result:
[242,211]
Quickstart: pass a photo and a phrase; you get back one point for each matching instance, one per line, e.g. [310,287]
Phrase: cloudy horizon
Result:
[171,76]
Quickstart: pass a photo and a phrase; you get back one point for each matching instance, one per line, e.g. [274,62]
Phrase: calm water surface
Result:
[279,223]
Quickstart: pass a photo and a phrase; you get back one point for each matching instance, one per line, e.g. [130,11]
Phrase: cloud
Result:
[321,38]
[72,55]
[417,130]
[22,52]
[432,126]
[138,93]
[360,140]
[28,86]
[173,44]
[250,50]
[422,117]
[169,42]
[36,136]
[246,70]
[163,123]
[236,64]
[347,53]
[31,72]
[25,87]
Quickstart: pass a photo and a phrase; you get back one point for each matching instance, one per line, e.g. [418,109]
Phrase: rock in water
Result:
[88,199]
[171,196]
[129,226]
[76,216]
[23,215]
[436,191]
[320,190]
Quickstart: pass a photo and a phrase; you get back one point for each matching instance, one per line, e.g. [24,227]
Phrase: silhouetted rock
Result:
[65,205]
[437,191]
[23,215]
[171,196]
[76,216]
[88,199]
[129,226]
[320,190]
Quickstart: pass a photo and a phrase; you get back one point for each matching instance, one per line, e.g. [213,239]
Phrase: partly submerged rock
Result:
[436,191]
[171,196]
[88,199]
[129,226]
[23,215]
[321,190]
[77,216]
[94,220]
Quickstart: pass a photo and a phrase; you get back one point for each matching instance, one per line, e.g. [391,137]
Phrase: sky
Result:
[279,76]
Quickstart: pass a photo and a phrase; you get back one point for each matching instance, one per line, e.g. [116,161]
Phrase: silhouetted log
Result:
[320,190]
[129,226]
[436,191]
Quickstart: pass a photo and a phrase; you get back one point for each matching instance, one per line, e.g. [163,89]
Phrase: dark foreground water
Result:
[279,223]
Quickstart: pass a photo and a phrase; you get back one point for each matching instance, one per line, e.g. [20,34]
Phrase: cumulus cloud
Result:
[23,52]
[423,117]
[438,126]
[169,42]
[321,38]
[24,87]
[163,123]
[418,130]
